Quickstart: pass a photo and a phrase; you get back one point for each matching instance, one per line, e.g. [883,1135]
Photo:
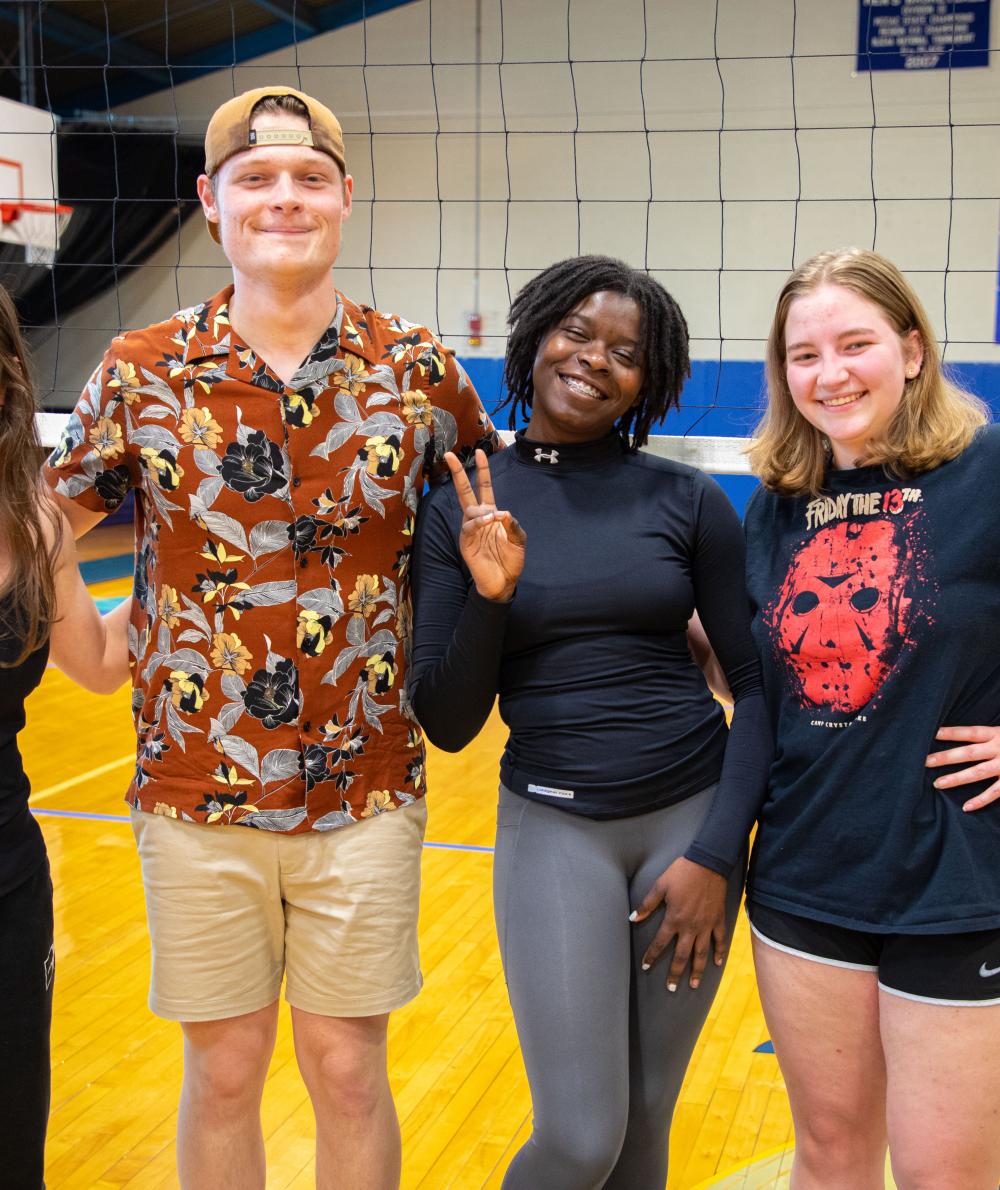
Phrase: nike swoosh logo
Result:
[986,972]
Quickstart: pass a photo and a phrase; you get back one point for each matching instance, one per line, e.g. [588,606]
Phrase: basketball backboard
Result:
[30,213]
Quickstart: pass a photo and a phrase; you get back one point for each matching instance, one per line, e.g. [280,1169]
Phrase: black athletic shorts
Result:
[935,968]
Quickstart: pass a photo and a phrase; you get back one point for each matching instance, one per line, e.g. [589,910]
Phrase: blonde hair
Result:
[935,420]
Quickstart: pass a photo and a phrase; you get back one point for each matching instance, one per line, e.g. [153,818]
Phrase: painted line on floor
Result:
[110,602]
[460,847]
[52,790]
[79,814]
[102,570]
[768,1164]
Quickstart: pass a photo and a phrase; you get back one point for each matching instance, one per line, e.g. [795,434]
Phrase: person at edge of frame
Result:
[46,614]
[564,581]
[874,888]
[278,437]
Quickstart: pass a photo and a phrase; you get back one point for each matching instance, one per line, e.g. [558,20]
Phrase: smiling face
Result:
[587,371]
[846,367]
[280,208]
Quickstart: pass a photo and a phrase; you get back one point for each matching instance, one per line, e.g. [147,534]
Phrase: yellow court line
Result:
[51,790]
[718,1180]
[758,1158]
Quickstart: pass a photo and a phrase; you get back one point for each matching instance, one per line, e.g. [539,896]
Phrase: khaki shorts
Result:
[232,908]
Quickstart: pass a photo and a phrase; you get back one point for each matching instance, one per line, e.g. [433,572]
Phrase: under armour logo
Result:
[988,972]
[546,456]
[49,967]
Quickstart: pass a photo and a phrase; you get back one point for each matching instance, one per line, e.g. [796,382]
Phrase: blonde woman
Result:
[874,893]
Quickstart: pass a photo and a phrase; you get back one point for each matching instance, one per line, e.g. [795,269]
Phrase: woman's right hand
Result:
[981,754]
[491,541]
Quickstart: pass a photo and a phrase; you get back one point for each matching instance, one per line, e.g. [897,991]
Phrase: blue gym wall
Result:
[723,400]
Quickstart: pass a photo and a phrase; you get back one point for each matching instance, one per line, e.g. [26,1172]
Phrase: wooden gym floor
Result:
[454,1061]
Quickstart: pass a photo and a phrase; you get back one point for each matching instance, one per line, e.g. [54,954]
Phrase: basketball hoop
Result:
[36,225]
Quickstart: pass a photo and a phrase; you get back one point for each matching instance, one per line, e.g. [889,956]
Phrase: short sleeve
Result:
[94,463]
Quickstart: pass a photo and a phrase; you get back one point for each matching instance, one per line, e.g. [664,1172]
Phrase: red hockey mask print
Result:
[843,612]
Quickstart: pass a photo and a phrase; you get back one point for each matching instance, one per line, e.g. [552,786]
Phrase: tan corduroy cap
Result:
[229,132]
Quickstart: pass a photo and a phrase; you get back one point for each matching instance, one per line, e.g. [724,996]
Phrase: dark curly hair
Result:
[663,336]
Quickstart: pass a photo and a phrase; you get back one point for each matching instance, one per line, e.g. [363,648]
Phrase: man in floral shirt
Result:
[278,437]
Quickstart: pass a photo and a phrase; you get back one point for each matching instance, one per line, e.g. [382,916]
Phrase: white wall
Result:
[717,157]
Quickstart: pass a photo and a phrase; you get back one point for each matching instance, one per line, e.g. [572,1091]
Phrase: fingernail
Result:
[694,983]
[645,966]
[634,915]
[671,987]
[939,783]
[718,961]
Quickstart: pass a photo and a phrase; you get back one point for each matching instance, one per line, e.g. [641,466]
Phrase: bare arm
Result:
[89,648]
[81,520]
[706,660]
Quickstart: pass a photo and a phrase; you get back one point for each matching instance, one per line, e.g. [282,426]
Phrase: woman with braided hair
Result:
[564,581]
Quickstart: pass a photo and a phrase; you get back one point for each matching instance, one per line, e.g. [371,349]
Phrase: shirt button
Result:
[307,726]
[304,562]
[296,481]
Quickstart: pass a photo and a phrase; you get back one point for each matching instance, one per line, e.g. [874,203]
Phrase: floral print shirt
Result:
[271,609]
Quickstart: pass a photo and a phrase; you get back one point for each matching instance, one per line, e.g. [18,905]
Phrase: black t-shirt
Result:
[877,613]
[608,714]
[22,848]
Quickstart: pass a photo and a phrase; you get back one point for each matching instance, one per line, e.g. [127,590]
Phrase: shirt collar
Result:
[353,325]
[351,328]
[568,456]
[204,330]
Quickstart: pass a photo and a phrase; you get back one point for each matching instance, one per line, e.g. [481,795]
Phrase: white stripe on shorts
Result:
[813,958]
[934,1000]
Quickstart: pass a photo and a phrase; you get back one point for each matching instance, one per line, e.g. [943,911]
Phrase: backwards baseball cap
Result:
[229,131]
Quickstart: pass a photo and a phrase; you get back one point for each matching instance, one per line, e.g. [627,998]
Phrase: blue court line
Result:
[100,570]
[460,847]
[92,817]
[79,814]
[105,605]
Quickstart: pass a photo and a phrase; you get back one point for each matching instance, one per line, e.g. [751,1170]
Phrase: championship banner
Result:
[996,325]
[923,34]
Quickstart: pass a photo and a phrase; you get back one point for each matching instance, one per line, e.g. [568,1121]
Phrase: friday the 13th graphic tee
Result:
[877,614]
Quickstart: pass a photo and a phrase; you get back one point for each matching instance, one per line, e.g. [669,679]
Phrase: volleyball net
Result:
[714,143]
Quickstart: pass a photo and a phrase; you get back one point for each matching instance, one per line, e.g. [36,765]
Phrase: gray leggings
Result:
[604,1043]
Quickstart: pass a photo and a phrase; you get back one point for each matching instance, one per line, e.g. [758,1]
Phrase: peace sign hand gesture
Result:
[491,541]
